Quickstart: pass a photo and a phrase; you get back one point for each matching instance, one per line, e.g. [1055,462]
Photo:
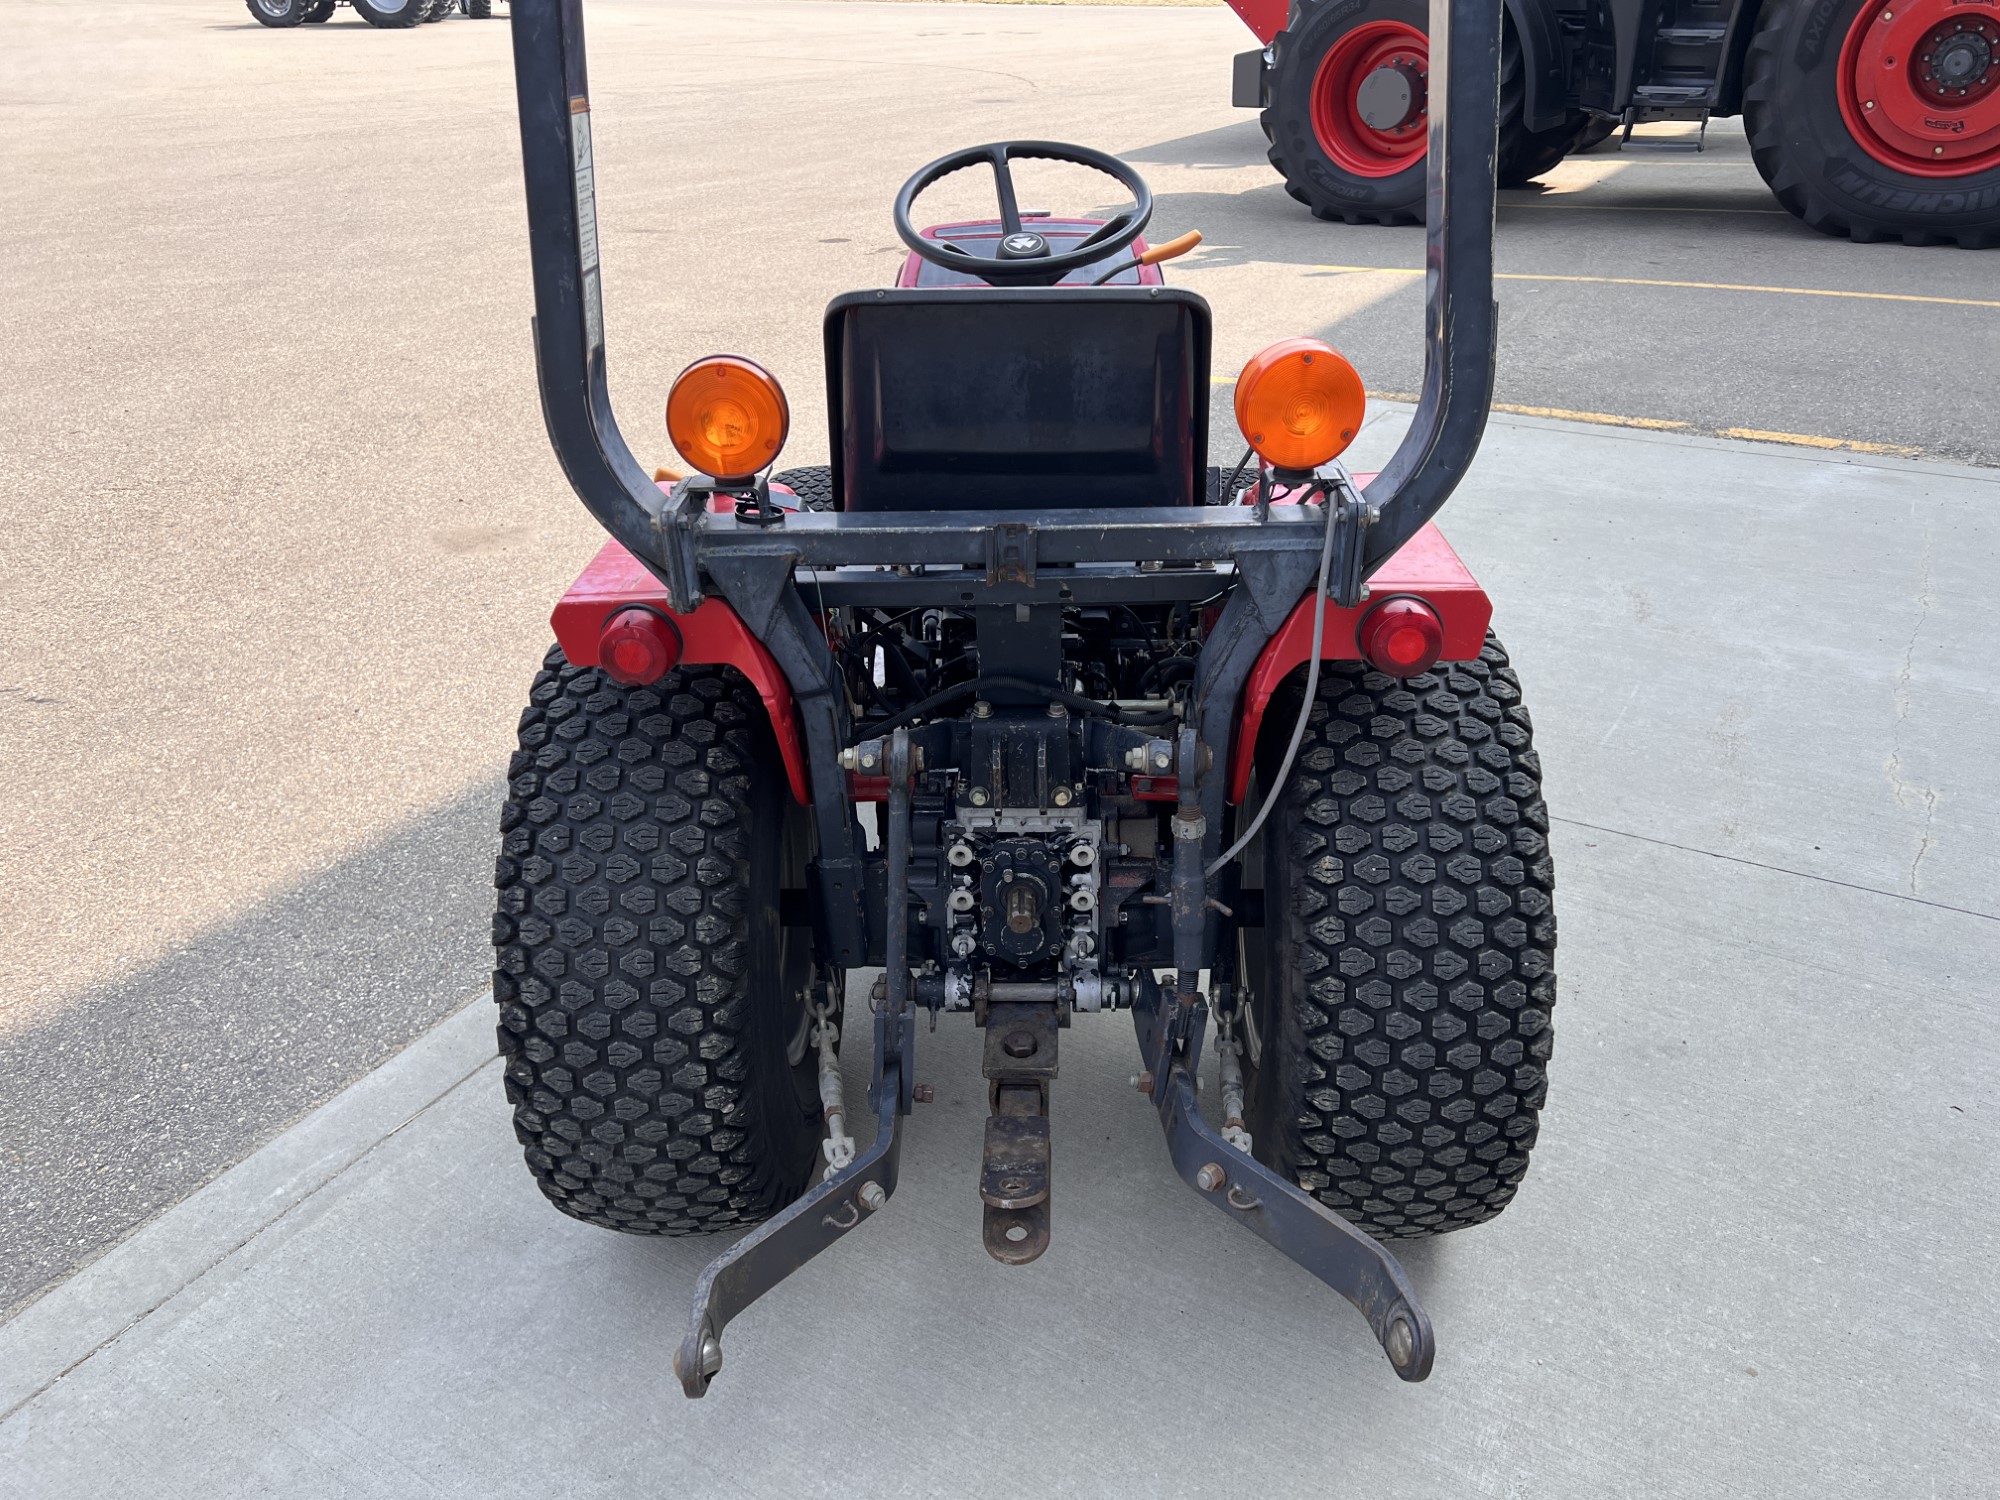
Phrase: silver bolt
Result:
[871,1195]
[978,796]
[867,760]
[982,710]
[1061,797]
[711,1355]
[849,758]
[1868,104]
[1401,1343]
[1162,758]
[1057,711]
[1210,1178]
[1937,151]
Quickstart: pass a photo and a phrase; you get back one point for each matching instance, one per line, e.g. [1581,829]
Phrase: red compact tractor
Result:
[1020,712]
[1875,119]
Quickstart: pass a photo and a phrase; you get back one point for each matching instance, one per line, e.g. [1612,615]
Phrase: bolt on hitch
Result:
[1291,1220]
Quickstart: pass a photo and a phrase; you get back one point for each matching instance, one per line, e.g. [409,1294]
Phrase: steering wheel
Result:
[1024,256]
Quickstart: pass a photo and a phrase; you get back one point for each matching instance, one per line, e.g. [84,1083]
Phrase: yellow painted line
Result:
[1658,424]
[1664,424]
[1702,286]
[1563,414]
[1569,204]
[1807,440]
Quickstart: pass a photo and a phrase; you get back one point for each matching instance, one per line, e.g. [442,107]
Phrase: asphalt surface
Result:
[283,530]
[1752,1257]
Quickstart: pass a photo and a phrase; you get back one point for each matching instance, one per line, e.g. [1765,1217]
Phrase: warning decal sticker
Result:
[586,224]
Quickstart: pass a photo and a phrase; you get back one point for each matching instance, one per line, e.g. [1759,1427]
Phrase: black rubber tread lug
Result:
[623,969]
[812,484]
[1404,1083]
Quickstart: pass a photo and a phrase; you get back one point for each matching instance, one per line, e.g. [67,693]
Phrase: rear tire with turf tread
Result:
[479,10]
[655,1057]
[813,486]
[1398,997]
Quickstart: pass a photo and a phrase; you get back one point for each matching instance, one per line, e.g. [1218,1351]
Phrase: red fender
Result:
[1265,17]
[1425,567]
[713,635]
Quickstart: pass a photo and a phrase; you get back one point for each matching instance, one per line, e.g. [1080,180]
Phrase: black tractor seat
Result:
[1035,398]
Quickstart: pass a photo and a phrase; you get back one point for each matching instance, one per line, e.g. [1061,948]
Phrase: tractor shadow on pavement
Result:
[134,1094]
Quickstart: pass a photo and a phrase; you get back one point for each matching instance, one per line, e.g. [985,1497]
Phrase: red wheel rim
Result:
[1344,135]
[1919,85]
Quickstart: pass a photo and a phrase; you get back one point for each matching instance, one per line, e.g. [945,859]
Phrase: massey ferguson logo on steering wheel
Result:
[1024,244]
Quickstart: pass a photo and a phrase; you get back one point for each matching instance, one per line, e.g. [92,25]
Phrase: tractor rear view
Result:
[1874,119]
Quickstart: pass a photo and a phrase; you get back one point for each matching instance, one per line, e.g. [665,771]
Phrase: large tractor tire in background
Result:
[1346,119]
[437,10]
[1880,119]
[392,14]
[653,1000]
[320,11]
[1394,1022]
[479,10]
[279,12]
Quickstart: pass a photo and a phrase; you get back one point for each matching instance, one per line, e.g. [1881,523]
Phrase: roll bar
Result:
[1460,318]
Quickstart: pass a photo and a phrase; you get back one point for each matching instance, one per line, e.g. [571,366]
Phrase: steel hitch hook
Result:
[1292,1221]
[779,1246]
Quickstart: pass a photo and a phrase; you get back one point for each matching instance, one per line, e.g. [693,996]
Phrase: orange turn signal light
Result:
[728,417]
[1299,404]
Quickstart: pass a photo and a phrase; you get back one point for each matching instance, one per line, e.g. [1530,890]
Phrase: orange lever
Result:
[1171,249]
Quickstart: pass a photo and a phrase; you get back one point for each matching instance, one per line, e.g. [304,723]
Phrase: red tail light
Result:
[1402,637]
[637,647]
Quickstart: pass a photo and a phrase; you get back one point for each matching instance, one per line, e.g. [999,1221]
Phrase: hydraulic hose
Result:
[1305,708]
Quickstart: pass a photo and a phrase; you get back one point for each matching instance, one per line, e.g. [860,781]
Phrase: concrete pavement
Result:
[283,532]
[1751,1258]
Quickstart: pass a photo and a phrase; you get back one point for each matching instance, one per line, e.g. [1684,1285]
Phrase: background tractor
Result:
[1874,119]
[391,15]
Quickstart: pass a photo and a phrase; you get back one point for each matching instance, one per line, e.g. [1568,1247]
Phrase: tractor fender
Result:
[1545,104]
[712,634]
[1266,18]
[1426,568]
[1741,27]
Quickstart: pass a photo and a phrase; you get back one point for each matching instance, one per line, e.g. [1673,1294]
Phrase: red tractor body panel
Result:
[1426,568]
[1265,17]
[713,635]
